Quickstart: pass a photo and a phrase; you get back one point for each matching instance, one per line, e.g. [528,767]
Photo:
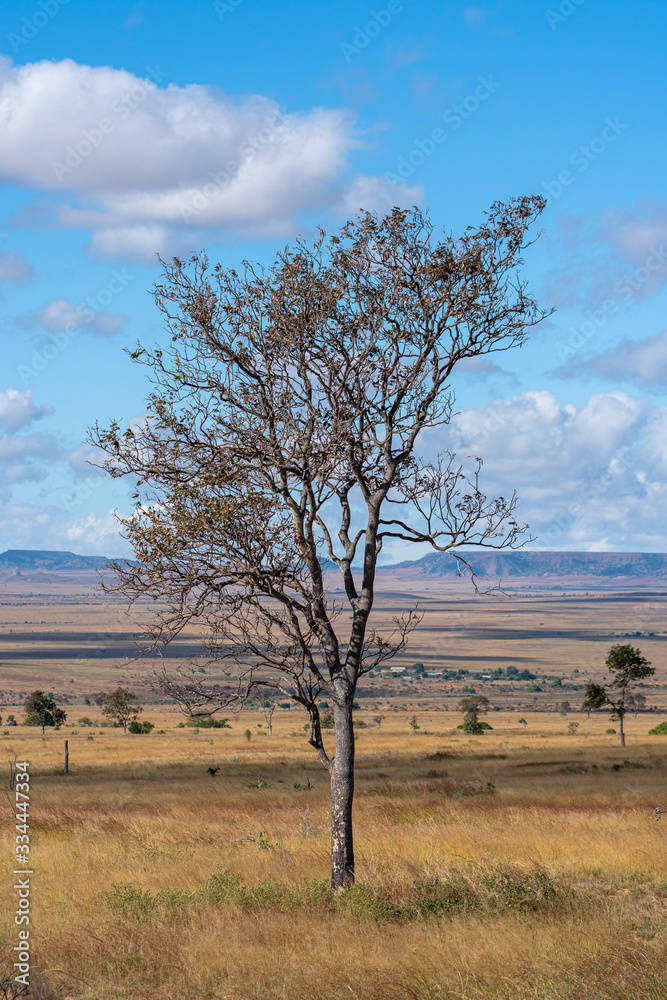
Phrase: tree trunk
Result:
[342,792]
[66,771]
[620,721]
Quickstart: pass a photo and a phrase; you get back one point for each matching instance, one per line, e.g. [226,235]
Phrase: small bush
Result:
[660,730]
[137,727]
[474,727]
[610,732]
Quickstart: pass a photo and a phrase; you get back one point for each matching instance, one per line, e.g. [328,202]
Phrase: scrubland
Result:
[517,864]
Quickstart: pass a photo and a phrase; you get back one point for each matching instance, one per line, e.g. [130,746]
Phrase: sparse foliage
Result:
[120,706]
[627,666]
[290,400]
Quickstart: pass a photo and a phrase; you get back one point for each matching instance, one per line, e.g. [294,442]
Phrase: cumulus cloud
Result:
[151,166]
[15,269]
[588,477]
[643,362]
[59,314]
[46,526]
[17,409]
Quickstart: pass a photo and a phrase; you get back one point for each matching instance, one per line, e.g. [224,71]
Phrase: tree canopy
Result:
[42,710]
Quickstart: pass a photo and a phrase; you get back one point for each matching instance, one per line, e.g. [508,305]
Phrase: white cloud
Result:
[13,268]
[17,409]
[151,167]
[587,477]
[45,526]
[59,314]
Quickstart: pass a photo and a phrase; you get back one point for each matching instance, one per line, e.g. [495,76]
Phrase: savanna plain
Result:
[527,862]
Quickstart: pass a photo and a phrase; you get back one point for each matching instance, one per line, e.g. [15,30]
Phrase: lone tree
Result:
[41,710]
[626,666]
[282,432]
[119,706]
[471,707]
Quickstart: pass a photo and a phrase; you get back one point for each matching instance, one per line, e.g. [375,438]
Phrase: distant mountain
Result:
[494,565]
[536,564]
[30,559]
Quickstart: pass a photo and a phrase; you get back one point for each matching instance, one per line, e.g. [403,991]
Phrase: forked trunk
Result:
[342,792]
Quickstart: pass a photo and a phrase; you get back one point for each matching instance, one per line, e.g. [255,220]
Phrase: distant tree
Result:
[248,735]
[471,706]
[120,706]
[42,710]
[414,724]
[635,702]
[572,728]
[11,720]
[595,698]
[378,720]
[627,666]
[522,722]
[268,706]
[99,698]
[564,708]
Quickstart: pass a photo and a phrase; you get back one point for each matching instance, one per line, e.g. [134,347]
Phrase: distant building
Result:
[397,670]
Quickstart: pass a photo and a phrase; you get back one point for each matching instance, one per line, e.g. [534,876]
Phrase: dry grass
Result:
[142,811]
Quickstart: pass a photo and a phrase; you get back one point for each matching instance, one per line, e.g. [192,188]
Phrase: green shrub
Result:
[660,730]
[474,726]
[140,727]
[470,890]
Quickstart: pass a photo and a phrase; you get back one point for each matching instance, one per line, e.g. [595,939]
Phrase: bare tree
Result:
[268,706]
[635,702]
[282,434]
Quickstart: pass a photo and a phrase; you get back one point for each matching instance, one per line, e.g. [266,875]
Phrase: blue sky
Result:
[132,129]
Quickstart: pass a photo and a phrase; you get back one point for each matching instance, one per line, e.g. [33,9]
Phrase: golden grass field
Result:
[523,863]
[142,810]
